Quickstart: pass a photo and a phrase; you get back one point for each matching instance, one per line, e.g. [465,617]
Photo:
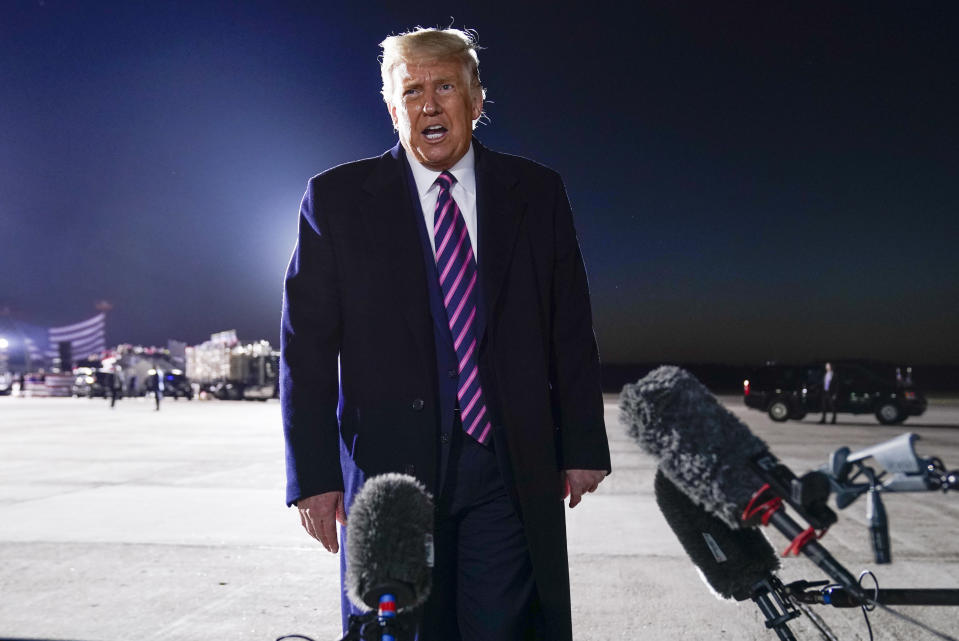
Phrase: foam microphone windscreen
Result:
[389,542]
[701,446]
[730,561]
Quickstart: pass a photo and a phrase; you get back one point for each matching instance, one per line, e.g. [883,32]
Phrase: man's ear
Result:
[392,109]
[477,104]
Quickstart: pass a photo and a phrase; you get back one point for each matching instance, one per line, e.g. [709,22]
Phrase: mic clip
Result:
[762,506]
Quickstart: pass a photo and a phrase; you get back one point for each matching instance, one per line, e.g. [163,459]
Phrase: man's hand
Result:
[319,514]
[579,482]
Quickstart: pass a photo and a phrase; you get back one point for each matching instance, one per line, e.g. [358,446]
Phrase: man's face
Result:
[433,109]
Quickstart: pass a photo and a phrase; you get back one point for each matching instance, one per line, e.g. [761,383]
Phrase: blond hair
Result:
[430,44]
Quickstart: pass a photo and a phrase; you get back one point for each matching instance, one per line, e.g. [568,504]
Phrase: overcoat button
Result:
[452,373]
[418,404]
[444,438]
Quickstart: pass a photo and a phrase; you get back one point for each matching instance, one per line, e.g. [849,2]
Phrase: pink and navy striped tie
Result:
[457,273]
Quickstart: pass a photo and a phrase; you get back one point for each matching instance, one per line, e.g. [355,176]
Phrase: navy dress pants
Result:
[483,588]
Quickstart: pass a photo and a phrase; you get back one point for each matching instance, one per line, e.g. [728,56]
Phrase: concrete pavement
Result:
[170,525]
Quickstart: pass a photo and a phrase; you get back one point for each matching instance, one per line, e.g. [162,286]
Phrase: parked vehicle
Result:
[228,370]
[253,377]
[780,390]
[175,384]
[793,391]
[91,383]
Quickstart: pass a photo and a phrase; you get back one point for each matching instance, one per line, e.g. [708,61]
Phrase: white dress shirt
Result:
[463,191]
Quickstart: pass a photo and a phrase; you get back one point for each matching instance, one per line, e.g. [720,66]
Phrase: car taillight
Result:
[909,395]
[746,387]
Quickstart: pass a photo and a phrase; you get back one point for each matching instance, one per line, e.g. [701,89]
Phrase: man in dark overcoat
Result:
[436,322]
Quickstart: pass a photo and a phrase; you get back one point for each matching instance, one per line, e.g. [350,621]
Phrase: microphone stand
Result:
[778,611]
[816,552]
[911,474]
[808,497]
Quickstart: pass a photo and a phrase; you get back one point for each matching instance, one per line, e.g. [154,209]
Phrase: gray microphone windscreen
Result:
[702,447]
[389,542]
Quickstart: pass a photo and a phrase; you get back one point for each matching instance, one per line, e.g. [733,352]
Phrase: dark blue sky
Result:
[766,181]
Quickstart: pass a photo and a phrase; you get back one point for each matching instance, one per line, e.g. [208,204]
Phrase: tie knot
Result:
[446,180]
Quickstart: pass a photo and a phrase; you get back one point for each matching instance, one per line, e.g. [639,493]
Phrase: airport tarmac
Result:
[133,524]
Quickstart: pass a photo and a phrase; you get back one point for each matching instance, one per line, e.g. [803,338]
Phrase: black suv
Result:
[791,391]
[175,385]
[91,383]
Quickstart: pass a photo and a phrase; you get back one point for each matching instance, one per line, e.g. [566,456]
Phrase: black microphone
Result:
[738,564]
[878,528]
[389,543]
[732,562]
[720,464]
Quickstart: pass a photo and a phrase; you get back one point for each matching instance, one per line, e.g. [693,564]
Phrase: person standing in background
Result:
[116,388]
[158,388]
[828,396]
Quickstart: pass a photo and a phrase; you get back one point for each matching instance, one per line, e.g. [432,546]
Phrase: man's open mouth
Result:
[434,132]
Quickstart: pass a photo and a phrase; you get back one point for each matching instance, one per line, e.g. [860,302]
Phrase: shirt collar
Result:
[462,171]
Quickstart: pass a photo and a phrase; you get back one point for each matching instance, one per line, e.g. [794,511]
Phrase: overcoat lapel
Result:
[499,211]
[388,217]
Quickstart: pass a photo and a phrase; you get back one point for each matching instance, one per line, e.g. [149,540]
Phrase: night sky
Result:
[771,181]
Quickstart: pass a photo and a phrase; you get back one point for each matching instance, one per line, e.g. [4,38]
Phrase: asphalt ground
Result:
[134,524]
